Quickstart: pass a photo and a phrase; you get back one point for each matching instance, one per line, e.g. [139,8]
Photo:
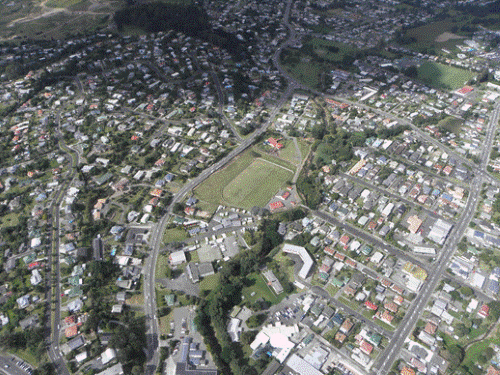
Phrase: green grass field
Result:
[248,181]
[174,234]
[444,76]
[256,185]
[61,3]
[209,282]
[261,290]
[451,124]
[289,153]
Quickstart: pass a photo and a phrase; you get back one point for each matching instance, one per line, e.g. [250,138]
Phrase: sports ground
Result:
[249,181]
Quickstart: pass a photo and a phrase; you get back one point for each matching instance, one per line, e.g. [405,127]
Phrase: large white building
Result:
[304,256]
[439,231]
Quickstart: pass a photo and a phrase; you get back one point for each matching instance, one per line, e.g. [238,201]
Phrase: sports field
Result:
[248,181]
[256,185]
[444,76]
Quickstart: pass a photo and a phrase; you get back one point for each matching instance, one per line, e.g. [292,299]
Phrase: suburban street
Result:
[54,276]
[157,233]
[392,351]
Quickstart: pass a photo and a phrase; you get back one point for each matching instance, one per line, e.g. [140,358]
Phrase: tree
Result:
[411,72]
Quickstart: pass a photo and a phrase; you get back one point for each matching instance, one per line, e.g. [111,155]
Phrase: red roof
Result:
[366,347]
[273,142]
[465,89]
[371,306]
[329,251]
[275,205]
[484,311]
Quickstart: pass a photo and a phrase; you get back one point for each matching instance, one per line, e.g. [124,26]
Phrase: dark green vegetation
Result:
[129,332]
[237,274]
[462,20]
[310,63]
[192,20]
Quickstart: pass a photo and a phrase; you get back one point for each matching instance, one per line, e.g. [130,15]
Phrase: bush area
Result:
[213,311]
[191,20]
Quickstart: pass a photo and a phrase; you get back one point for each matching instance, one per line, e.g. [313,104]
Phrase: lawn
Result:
[61,3]
[472,354]
[307,73]
[209,282]
[353,305]
[331,289]
[451,124]
[174,234]
[289,153]
[444,76]
[256,185]
[261,290]
[211,190]
[165,323]
[248,181]
[9,220]
[161,265]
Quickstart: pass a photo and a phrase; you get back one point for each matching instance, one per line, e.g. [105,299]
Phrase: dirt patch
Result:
[444,37]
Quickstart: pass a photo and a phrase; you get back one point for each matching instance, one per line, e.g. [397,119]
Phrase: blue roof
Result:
[448,197]
[478,234]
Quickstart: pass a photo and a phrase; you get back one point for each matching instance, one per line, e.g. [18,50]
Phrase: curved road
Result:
[157,232]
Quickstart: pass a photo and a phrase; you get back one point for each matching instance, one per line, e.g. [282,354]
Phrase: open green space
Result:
[444,76]
[260,290]
[472,354]
[353,305]
[177,234]
[256,185]
[331,289]
[317,56]
[165,323]
[161,266]
[209,282]
[451,124]
[248,181]
[62,3]
[289,153]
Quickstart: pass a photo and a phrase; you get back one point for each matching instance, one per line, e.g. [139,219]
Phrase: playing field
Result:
[444,76]
[246,182]
[256,185]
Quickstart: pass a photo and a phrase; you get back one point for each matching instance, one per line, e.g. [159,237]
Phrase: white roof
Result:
[260,339]
[377,257]
[108,355]
[81,357]
[300,366]
[304,256]
[477,280]
[178,257]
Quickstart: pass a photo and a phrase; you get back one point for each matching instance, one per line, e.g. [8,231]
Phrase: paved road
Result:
[376,241]
[399,197]
[9,366]
[53,276]
[157,232]
[391,353]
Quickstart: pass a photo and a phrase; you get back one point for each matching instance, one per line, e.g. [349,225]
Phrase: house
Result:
[366,347]
[108,355]
[484,311]
[177,257]
[193,273]
[113,370]
[206,269]
[346,327]
[371,306]
[97,248]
